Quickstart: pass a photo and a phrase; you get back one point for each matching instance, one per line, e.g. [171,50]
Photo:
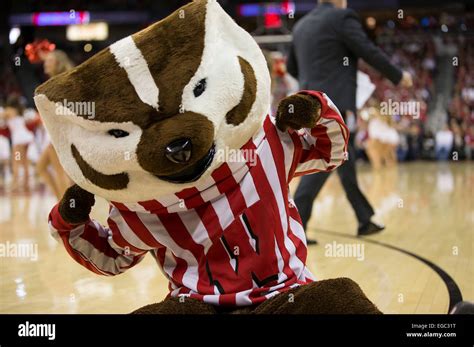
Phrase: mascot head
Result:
[146,116]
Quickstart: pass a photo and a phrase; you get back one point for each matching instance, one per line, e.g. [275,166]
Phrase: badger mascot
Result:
[196,172]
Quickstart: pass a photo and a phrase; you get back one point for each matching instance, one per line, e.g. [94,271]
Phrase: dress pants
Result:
[310,186]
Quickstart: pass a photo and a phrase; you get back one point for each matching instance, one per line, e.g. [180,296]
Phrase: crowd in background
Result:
[395,136]
[461,108]
[419,52]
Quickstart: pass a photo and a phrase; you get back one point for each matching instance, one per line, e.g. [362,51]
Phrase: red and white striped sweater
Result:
[235,240]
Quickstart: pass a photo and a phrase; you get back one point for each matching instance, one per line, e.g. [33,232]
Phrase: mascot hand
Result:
[298,111]
[76,205]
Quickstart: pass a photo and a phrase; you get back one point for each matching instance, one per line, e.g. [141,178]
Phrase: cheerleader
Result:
[383,140]
[21,137]
[55,63]
[391,142]
[4,147]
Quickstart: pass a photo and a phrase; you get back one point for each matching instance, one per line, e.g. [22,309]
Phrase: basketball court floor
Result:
[422,263]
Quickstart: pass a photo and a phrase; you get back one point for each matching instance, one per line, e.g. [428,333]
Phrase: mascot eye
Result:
[118,133]
[200,88]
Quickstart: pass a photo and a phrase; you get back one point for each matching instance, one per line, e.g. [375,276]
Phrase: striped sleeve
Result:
[92,246]
[322,148]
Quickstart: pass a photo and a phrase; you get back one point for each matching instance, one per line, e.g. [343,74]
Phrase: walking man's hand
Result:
[406,81]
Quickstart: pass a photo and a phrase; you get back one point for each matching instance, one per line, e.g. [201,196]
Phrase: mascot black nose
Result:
[179,151]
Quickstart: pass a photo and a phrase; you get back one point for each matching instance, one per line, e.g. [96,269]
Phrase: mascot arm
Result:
[314,133]
[87,241]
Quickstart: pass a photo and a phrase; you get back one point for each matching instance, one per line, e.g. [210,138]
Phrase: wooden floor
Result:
[427,207]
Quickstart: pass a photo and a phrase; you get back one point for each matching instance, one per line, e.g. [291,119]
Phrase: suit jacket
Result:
[327,43]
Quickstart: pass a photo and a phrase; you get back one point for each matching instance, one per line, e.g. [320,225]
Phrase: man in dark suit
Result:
[326,45]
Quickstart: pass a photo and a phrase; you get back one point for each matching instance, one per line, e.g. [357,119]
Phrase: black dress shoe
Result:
[370,228]
[463,307]
[311,242]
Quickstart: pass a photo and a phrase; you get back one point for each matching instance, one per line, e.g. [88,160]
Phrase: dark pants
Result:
[310,186]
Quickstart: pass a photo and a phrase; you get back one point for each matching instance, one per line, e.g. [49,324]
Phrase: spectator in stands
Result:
[458,141]
[444,143]
[469,141]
